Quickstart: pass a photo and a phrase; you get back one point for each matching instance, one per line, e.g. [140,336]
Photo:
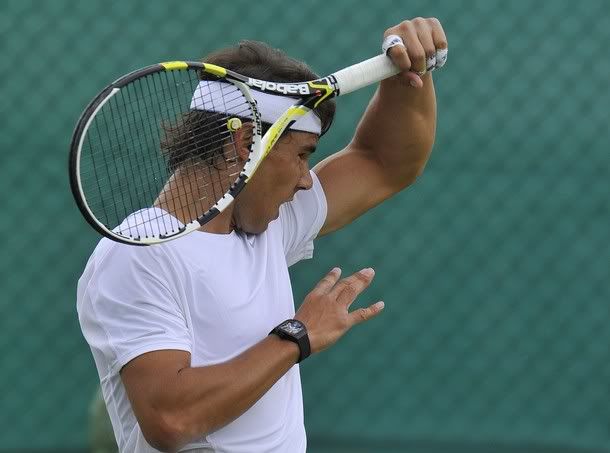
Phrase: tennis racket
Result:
[139,134]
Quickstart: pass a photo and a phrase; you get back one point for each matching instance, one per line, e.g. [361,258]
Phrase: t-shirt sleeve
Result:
[301,221]
[130,306]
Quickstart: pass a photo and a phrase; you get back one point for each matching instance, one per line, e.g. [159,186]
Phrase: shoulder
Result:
[116,268]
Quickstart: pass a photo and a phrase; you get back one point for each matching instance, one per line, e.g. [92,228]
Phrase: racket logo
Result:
[283,88]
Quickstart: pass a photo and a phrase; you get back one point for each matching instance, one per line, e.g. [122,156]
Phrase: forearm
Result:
[203,399]
[398,128]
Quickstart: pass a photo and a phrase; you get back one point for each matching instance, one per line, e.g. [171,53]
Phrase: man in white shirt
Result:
[180,332]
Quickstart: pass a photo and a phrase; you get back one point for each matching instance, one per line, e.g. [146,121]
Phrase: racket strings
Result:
[225,138]
[93,177]
[228,104]
[194,131]
[124,168]
[175,207]
[104,148]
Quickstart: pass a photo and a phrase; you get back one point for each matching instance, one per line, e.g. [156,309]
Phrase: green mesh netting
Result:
[494,266]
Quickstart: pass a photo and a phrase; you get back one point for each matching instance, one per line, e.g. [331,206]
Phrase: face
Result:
[280,176]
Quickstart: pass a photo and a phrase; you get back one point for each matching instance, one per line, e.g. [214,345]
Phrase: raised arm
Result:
[394,138]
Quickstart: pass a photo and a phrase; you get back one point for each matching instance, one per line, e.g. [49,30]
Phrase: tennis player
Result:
[196,340]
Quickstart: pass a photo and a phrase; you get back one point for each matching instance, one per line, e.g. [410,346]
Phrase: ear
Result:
[242,139]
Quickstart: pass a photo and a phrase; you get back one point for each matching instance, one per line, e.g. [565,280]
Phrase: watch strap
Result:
[301,339]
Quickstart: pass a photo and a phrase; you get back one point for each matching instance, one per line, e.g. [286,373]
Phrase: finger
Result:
[414,80]
[364,314]
[389,41]
[431,63]
[329,280]
[415,49]
[348,289]
[400,58]
[438,34]
[440,42]
[424,33]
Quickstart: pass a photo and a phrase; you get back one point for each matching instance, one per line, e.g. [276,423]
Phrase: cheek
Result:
[295,169]
[259,191]
[282,171]
[289,180]
[276,178]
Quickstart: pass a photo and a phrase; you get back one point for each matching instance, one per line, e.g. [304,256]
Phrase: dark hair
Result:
[194,130]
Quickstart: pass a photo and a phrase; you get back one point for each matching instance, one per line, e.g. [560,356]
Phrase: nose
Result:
[305,181]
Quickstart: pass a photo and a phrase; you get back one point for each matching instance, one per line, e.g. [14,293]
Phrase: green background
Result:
[493,266]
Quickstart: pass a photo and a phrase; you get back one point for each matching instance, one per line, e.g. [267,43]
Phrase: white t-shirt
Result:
[211,295]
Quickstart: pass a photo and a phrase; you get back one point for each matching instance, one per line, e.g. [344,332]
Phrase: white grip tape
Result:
[365,73]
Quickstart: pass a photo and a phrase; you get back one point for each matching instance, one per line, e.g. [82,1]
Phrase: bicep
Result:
[150,383]
[354,181]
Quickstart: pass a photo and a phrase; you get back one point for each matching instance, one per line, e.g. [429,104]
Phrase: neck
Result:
[221,224]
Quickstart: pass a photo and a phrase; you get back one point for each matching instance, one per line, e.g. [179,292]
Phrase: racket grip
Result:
[365,73]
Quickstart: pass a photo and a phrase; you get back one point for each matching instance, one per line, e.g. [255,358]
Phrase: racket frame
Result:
[86,118]
[308,95]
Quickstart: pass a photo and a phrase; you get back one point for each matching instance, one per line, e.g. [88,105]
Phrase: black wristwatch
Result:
[295,331]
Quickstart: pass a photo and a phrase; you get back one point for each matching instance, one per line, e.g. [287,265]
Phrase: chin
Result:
[261,224]
[255,229]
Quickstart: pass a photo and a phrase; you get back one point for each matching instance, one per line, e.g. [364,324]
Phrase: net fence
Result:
[494,266]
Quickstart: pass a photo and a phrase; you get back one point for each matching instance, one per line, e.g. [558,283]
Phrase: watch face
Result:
[292,327]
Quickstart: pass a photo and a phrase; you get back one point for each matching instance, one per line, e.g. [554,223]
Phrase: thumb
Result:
[414,79]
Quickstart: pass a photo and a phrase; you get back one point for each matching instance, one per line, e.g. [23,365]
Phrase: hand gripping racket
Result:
[141,131]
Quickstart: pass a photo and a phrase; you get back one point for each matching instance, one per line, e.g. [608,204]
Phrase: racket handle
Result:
[365,73]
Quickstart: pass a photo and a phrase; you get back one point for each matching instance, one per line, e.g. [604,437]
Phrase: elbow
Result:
[413,173]
[407,174]
[407,165]
[418,171]
[168,432]
[420,150]
[162,437]
[415,167]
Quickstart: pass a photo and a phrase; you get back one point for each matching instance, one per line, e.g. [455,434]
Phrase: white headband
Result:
[221,97]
